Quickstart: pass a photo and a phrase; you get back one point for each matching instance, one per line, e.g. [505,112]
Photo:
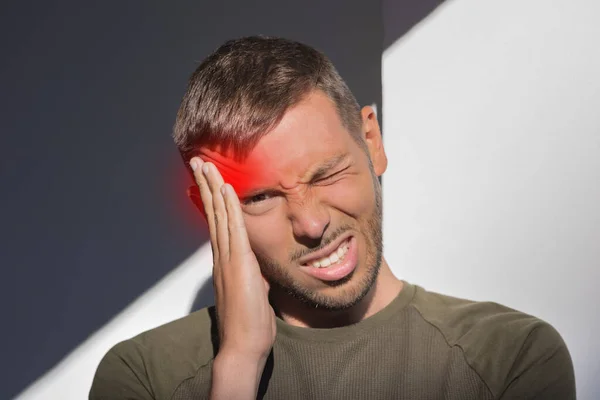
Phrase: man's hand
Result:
[246,319]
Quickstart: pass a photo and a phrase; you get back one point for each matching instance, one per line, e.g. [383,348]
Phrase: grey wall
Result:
[93,210]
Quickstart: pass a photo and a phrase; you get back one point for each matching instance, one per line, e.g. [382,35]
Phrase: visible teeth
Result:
[333,258]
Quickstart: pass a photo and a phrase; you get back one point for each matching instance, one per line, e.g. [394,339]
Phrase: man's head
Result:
[282,127]
[242,90]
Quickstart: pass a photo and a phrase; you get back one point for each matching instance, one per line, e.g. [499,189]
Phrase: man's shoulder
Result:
[158,360]
[193,335]
[498,342]
[463,321]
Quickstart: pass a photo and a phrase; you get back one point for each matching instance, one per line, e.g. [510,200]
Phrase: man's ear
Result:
[373,139]
[193,193]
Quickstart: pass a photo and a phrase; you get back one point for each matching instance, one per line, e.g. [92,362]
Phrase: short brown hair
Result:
[242,90]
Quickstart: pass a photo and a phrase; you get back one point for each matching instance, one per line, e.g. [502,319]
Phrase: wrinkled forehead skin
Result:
[245,175]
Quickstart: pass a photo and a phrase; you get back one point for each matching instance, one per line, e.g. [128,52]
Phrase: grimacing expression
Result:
[310,183]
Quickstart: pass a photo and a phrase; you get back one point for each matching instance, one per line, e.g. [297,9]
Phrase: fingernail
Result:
[223,189]
[205,169]
[194,164]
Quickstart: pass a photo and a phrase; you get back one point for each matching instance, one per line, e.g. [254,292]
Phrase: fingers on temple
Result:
[224,215]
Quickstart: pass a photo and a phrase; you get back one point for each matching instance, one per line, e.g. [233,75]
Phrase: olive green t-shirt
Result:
[422,345]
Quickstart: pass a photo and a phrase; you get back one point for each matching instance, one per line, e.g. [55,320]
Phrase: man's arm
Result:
[118,377]
[543,369]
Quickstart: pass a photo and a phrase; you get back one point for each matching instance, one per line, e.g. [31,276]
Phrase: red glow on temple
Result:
[245,177]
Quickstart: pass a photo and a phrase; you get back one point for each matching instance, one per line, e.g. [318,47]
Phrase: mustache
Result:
[333,236]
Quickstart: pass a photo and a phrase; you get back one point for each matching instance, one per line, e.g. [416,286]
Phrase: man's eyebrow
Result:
[328,165]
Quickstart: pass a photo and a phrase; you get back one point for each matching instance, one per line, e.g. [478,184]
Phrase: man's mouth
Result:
[337,265]
[335,257]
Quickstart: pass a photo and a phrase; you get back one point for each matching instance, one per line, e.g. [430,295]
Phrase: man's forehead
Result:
[251,163]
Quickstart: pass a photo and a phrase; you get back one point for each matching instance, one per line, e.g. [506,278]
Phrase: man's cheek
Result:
[348,198]
[262,236]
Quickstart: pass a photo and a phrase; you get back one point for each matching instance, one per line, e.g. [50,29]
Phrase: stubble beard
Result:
[350,292]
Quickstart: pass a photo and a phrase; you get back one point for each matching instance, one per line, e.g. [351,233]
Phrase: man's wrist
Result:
[236,375]
[237,359]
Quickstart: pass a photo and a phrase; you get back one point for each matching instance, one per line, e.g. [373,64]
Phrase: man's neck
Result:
[385,289]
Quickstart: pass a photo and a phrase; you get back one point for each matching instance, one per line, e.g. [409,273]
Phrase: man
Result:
[306,306]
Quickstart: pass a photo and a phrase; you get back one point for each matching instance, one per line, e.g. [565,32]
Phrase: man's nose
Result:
[309,220]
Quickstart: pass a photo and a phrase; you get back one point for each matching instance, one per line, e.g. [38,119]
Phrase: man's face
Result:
[305,185]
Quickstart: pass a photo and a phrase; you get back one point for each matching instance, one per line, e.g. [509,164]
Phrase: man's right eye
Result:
[256,199]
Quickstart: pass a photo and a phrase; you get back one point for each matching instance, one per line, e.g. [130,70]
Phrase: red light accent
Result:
[245,177]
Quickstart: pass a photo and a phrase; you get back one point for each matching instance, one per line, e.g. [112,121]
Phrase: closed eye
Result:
[330,177]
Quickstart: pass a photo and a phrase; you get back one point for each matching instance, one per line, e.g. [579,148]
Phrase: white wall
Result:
[491,118]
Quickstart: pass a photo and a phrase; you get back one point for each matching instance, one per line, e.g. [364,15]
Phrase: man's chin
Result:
[313,293]
[340,295]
